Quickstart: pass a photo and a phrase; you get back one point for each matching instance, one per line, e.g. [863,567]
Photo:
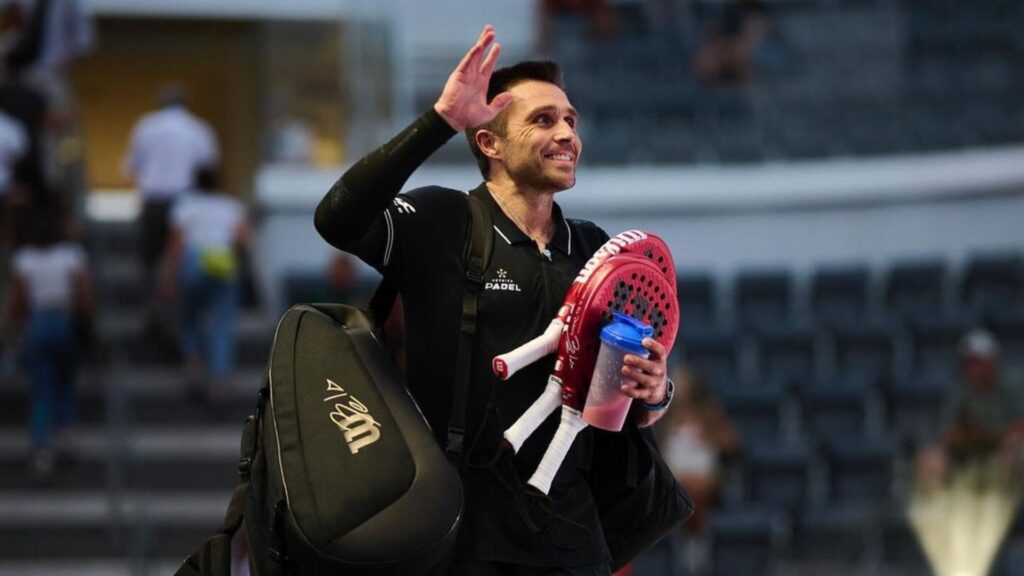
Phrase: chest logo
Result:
[502,282]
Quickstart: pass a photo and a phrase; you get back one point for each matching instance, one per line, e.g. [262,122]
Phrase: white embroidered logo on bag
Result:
[404,207]
[353,418]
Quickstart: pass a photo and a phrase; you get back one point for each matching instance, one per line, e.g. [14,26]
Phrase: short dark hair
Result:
[504,79]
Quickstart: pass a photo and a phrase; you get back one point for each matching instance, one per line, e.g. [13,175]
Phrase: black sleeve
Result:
[354,206]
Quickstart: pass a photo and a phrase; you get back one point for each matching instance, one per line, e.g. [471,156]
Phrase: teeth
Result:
[561,157]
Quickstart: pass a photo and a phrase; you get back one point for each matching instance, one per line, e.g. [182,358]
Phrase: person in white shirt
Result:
[166,150]
[209,232]
[49,300]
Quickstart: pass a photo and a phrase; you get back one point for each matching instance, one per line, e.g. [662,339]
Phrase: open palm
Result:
[463,102]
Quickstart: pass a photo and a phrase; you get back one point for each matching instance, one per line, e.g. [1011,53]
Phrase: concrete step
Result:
[90,524]
[126,332]
[89,567]
[152,395]
[154,458]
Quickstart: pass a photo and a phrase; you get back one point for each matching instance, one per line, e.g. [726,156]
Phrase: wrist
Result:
[670,389]
[445,115]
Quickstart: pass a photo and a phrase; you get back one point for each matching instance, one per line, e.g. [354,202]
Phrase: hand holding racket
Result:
[625,283]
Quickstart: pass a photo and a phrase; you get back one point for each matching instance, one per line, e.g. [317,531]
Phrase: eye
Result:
[571,121]
[544,119]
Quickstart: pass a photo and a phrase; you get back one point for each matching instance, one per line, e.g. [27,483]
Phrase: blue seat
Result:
[756,412]
[786,355]
[865,353]
[916,289]
[762,299]
[697,299]
[860,472]
[831,534]
[779,476]
[836,410]
[934,344]
[992,284]
[914,409]
[743,541]
[839,295]
[714,354]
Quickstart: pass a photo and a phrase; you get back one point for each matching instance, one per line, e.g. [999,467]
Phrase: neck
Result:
[531,211]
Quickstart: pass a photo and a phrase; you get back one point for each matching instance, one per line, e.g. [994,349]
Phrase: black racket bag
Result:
[340,473]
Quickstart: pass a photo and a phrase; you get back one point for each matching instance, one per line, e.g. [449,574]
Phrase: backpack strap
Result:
[213,558]
[476,257]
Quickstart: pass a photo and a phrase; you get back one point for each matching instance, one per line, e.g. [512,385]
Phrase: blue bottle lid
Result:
[627,333]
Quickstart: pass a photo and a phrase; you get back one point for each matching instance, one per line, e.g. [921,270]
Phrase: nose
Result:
[566,133]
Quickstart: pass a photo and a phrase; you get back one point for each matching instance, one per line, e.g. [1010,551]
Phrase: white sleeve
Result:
[209,151]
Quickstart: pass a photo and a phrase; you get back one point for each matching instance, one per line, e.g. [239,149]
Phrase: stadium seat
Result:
[697,300]
[762,299]
[756,412]
[1009,330]
[934,342]
[916,289]
[832,534]
[786,356]
[714,354]
[838,410]
[839,296]
[866,353]
[992,285]
[860,472]
[914,409]
[743,541]
[779,476]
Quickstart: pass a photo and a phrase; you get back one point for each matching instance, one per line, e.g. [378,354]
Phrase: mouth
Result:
[561,157]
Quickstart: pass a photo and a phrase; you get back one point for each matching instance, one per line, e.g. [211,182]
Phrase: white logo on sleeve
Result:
[502,283]
[404,207]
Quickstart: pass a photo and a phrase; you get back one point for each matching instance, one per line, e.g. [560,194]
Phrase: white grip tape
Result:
[511,362]
[570,426]
[550,399]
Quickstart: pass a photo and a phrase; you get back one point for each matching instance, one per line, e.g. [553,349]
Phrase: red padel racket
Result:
[625,283]
[629,242]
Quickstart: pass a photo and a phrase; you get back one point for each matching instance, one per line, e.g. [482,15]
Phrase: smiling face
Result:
[540,148]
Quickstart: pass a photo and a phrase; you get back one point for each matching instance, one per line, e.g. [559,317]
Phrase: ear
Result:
[489,143]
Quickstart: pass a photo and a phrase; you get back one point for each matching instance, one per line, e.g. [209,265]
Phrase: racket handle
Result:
[550,399]
[571,425]
[509,363]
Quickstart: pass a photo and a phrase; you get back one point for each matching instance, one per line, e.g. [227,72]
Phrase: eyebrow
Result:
[552,108]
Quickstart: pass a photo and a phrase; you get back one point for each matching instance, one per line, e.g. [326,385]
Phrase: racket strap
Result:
[477,254]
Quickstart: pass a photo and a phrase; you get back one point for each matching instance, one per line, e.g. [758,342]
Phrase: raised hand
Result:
[463,102]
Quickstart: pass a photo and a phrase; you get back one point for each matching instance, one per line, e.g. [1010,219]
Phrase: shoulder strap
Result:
[476,257]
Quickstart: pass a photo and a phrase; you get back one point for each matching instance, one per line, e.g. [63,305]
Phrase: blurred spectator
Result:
[13,144]
[983,419]
[557,16]
[728,54]
[208,237]
[49,302]
[23,102]
[696,437]
[289,138]
[166,150]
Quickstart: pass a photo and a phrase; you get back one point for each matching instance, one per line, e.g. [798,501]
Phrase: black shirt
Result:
[417,239]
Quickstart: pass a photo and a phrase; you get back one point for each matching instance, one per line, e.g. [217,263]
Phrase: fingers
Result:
[500,102]
[657,348]
[472,57]
[491,60]
[654,367]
